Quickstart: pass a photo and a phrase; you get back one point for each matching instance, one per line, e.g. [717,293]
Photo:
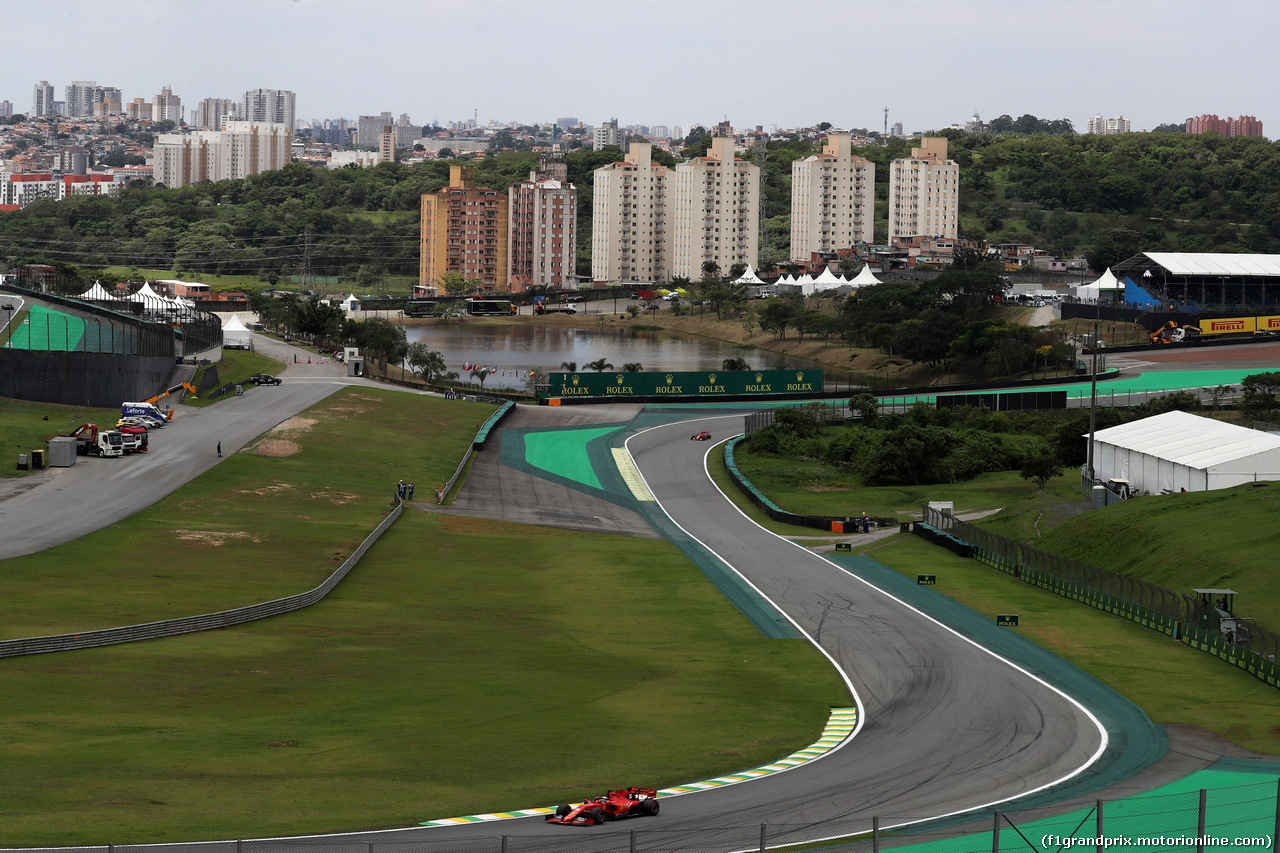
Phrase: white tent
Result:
[350,303]
[235,333]
[97,293]
[865,277]
[785,279]
[748,277]
[1177,450]
[1107,283]
[806,284]
[151,301]
[828,280]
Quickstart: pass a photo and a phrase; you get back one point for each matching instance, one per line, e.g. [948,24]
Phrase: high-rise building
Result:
[1243,126]
[212,112]
[833,199]
[713,208]
[268,106]
[138,109]
[542,229]
[42,100]
[240,149]
[1107,126]
[167,107]
[107,101]
[387,144]
[566,122]
[80,97]
[464,232]
[609,134]
[369,129]
[924,192]
[628,224]
[6,109]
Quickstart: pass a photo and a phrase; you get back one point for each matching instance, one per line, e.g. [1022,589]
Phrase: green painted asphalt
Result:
[564,453]
[1240,812]
[48,330]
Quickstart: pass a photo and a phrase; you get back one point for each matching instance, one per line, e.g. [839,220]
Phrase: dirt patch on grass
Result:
[272,489]
[275,447]
[295,424]
[337,498]
[818,487]
[214,537]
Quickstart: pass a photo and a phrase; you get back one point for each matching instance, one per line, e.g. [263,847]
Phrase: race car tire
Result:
[598,816]
[563,809]
[650,806]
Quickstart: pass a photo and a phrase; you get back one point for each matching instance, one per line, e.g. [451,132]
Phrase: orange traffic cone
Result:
[308,359]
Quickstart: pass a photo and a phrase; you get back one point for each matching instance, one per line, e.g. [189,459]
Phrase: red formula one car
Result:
[702,436]
[614,805]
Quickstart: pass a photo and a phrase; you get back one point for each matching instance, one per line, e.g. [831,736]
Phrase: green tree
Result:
[735,364]
[600,365]
[633,367]
[481,373]
[427,363]
[1040,467]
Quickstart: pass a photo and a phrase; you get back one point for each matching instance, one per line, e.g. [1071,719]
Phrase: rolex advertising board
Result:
[672,385]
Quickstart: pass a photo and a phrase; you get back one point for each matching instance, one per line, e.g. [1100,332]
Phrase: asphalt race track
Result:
[947,726]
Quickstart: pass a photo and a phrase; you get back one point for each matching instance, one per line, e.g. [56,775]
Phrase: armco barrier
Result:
[831,524]
[477,443]
[191,624]
[1146,604]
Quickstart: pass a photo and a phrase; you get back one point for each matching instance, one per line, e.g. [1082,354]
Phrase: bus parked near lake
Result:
[490,307]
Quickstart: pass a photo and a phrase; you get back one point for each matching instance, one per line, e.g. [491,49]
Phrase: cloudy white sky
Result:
[669,61]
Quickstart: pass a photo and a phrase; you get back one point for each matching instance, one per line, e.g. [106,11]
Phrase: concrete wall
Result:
[101,380]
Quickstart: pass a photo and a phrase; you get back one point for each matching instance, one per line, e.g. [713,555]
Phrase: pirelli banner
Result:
[671,385]
[1239,325]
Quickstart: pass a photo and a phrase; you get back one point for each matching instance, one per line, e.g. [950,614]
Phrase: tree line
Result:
[1108,196]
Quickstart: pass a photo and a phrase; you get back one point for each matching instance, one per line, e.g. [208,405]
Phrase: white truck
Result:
[99,442]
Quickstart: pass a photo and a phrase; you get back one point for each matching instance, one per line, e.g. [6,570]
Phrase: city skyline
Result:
[931,65]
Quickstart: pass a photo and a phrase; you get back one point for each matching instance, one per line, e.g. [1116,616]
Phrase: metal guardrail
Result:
[482,435]
[192,624]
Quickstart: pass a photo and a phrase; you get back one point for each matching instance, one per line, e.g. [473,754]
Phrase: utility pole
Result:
[306,258]
[886,122]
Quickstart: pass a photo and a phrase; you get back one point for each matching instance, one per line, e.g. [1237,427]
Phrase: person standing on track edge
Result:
[219,449]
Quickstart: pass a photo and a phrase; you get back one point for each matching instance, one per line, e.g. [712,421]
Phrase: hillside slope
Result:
[1225,538]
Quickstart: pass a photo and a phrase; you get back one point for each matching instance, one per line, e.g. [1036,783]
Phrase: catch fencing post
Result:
[503,843]
[875,834]
[1277,832]
[239,843]
[633,841]
[1204,803]
[995,832]
[762,832]
[1098,827]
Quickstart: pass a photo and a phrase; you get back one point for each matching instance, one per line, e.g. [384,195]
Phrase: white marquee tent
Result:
[865,277]
[350,303]
[828,280]
[748,277]
[151,301]
[1177,450]
[235,333]
[1107,282]
[806,284]
[97,293]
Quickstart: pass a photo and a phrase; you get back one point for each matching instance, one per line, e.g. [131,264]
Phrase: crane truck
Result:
[99,442]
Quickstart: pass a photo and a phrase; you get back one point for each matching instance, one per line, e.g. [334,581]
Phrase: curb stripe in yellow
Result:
[840,726]
[631,474]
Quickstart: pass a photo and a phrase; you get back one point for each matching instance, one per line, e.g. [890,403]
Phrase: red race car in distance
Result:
[702,436]
[614,805]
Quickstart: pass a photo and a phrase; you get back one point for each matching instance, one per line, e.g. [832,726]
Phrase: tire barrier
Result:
[192,624]
[1146,604]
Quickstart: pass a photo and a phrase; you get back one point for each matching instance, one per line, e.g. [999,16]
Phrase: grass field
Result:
[381,705]
[255,527]
[28,426]
[237,365]
[1170,681]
